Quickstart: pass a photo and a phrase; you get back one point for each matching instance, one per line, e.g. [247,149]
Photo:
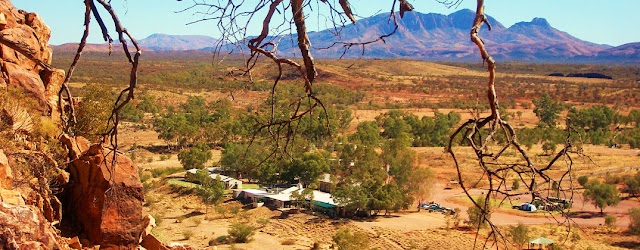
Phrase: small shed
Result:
[229,182]
[540,241]
[278,200]
[246,194]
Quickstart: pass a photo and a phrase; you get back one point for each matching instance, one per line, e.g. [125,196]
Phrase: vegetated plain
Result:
[384,92]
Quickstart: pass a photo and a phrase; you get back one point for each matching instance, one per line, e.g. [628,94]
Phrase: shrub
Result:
[634,225]
[222,239]
[187,234]
[235,210]
[516,184]
[345,240]
[610,220]
[149,200]
[241,233]
[197,221]
[520,234]
[476,215]
[263,221]
[221,210]
[158,218]
[161,172]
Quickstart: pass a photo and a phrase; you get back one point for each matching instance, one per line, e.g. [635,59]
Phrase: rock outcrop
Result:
[24,50]
[22,226]
[105,197]
[6,175]
[102,194]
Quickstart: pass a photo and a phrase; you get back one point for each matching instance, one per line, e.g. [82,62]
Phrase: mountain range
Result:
[433,37]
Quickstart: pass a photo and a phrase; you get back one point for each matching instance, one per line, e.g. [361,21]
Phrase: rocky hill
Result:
[432,37]
[53,184]
[163,42]
[438,37]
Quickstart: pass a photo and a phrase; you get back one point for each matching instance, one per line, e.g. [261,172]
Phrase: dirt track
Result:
[583,213]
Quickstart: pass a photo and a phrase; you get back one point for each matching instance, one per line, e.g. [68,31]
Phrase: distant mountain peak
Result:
[164,42]
[540,22]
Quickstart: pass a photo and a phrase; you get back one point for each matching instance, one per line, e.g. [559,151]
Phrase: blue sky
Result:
[606,22]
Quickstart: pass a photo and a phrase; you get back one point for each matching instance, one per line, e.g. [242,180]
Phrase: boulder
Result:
[74,243]
[150,242]
[24,227]
[105,196]
[150,223]
[6,175]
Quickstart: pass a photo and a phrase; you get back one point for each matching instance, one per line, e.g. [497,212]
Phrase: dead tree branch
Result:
[480,135]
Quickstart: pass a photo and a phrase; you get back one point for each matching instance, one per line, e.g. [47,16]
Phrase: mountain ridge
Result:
[432,37]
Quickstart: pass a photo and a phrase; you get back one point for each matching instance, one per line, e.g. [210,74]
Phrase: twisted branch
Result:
[480,138]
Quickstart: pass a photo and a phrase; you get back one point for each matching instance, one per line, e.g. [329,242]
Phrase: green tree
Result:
[583,180]
[421,182]
[174,126]
[307,168]
[632,184]
[520,234]
[601,195]
[130,113]
[478,218]
[195,157]
[242,159]
[210,190]
[547,110]
[345,240]
[367,133]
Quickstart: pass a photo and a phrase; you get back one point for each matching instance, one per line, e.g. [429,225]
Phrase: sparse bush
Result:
[634,225]
[613,179]
[158,218]
[162,172]
[516,184]
[241,233]
[150,200]
[476,215]
[345,240]
[187,234]
[610,220]
[520,234]
[221,210]
[263,221]
[235,210]
[575,236]
[197,221]
[222,239]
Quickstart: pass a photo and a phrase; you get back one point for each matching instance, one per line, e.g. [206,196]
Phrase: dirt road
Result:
[582,213]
